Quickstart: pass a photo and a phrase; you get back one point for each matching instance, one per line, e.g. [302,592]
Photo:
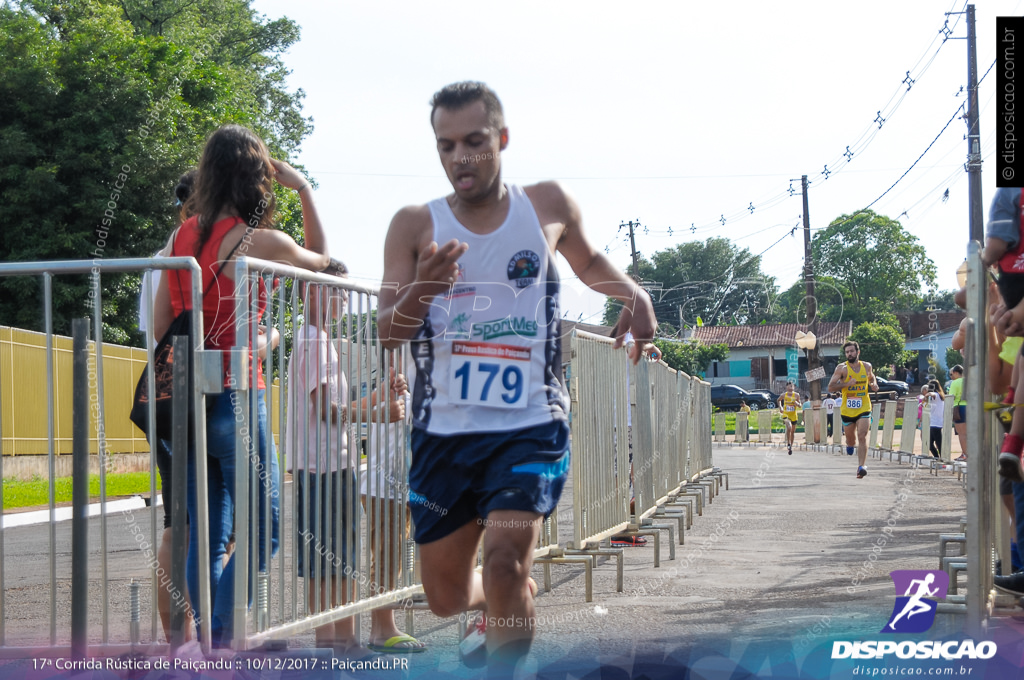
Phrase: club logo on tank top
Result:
[523,268]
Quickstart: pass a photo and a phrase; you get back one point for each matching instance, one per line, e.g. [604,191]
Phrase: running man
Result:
[470,280]
[914,604]
[855,378]
[790,405]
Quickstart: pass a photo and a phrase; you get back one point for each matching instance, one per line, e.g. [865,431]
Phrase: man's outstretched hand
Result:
[639,321]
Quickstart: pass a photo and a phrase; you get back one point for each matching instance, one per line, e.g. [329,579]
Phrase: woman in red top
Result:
[233,208]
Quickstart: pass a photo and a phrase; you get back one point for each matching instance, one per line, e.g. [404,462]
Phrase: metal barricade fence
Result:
[673,441]
[351,554]
[668,429]
[685,420]
[875,426]
[947,429]
[908,430]
[823,423]
[838,436]
[888,424]
[764,426]
[741,431]
[20,568]
[643,441]
[703,426]
[982,502]
[600,459]
[718,419]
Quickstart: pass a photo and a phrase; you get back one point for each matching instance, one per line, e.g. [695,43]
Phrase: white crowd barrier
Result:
[666,413]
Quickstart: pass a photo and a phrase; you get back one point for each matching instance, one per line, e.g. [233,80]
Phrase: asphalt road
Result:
[775,565]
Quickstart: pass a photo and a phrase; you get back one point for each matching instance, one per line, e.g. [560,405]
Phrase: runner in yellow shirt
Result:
[855,378]
[790,404]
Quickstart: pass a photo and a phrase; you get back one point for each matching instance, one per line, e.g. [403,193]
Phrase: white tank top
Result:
[488,357]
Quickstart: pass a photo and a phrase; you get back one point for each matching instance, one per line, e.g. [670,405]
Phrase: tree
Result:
[936,300]
[103,105]
[829,294]
[881,265]
[953,357]
[880,344]
[691,357]
[713,280]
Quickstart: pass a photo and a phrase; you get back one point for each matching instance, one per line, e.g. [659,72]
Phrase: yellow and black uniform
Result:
[855,401]
[790,404]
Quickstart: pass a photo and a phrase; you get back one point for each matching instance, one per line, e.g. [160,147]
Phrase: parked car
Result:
[730,397]
[898,386]
[771,398]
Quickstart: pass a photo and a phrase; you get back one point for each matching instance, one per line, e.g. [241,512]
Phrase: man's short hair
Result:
[851,343]
[458,95]
[958,368]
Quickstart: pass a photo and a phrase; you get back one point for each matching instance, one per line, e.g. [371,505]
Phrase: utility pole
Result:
[980,525]
[632,245]
[973,133]
[813,361]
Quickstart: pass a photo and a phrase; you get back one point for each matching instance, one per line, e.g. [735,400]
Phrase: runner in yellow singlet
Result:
[790,404]
[855,378]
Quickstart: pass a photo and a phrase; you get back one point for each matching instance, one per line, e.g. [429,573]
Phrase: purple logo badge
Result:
[913,612]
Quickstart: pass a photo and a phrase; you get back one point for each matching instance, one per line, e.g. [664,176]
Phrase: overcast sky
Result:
[672,113]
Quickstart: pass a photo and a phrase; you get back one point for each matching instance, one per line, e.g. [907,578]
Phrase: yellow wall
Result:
[23,394]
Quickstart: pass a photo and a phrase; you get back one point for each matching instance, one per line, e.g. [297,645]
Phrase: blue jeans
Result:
[222,418]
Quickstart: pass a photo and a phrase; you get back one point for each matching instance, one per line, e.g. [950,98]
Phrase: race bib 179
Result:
[486,374]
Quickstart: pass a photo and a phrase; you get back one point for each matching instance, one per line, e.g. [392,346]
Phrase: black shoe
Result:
[1012,584]
[862,472]
[1010,466]
[791,450]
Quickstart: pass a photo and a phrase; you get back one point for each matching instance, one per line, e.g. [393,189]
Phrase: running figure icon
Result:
[914,604]
[916,593]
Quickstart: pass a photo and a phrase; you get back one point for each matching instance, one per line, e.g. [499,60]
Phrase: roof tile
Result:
[779,335]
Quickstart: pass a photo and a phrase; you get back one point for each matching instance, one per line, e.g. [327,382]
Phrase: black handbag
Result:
[163,370]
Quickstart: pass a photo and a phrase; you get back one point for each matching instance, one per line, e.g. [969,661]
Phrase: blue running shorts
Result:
[456,479]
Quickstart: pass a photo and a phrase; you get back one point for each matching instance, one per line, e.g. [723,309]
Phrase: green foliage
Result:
[714,280]
[103,105]
[880,344]
[953,357]
[880,264]
[866,266]
[935,301]
[691,357]
[882,371]
[830,296]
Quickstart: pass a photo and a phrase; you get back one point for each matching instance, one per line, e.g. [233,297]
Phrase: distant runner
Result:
[855,378]
[790,405]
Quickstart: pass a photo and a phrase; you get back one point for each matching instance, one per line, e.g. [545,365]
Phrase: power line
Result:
[944,127]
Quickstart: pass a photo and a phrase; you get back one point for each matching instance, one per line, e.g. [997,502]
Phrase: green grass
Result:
[777,426]
[23,494]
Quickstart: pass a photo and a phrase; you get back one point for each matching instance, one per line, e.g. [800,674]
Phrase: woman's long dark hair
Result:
[234,175]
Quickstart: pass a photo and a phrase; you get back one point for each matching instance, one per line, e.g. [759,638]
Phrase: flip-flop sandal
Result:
[399,644]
